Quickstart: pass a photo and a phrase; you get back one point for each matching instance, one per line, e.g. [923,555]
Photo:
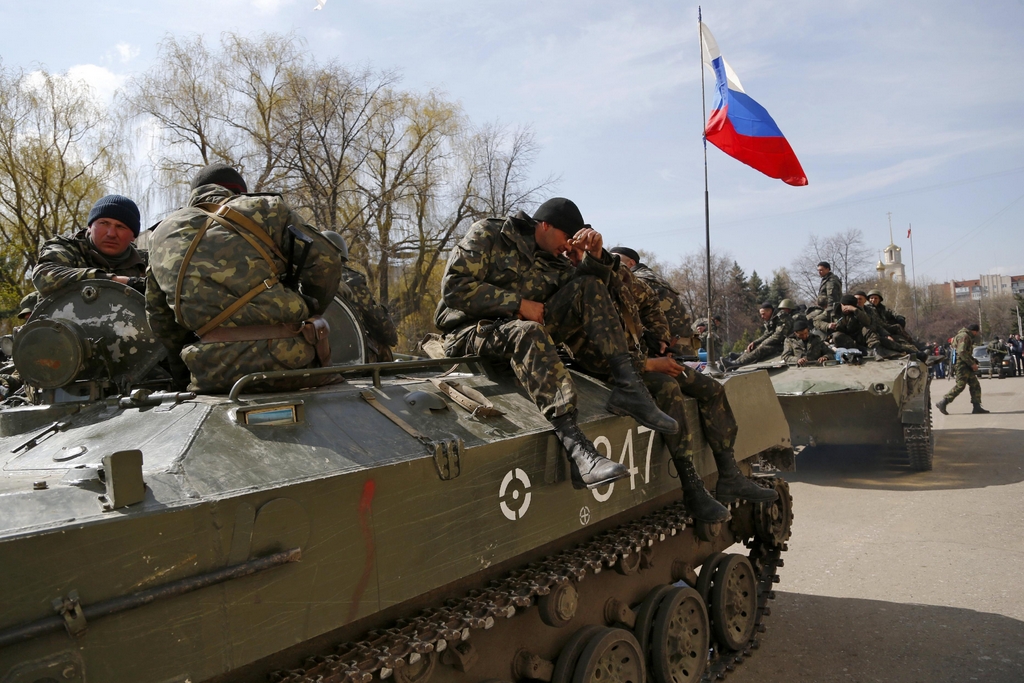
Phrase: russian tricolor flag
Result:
[741,127]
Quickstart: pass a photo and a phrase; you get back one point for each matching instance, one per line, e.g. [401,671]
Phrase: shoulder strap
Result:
[251,233]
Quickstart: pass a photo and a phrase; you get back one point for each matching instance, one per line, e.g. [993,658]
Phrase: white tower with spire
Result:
[891,266]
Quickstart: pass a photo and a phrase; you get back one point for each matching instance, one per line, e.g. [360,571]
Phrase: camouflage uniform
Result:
[831,288]
[491,270]
[678,319]
[771,341]
[997,351]
[885,338]
[812,348]
[380,332]
[65,260]
[639,309]
[963,368]
[224,268]
[852,330]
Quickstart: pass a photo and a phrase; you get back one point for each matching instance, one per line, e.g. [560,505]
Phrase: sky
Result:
[913,109]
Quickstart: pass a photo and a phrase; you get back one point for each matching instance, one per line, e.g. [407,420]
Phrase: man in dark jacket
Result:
[831,287]
[509,295]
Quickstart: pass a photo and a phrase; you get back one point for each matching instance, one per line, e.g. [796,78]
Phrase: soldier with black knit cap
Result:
[102,251]
[509,295]
[227,291]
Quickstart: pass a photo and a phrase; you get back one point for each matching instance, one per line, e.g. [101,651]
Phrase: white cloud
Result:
[126,52]
[102,80]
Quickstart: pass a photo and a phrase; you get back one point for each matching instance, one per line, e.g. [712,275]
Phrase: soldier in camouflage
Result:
[675,312]
[221,294]
[831,287]
[880,337]
[777,326]
[804,347]
[963,370]
[509,295]
[103,251]
[644,321]
[850,328]
[997,351]
[381,335]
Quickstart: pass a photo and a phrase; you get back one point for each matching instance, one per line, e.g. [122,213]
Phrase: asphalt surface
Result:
[895,575]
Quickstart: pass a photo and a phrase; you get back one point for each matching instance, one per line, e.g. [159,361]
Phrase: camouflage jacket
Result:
[877,325]
[890,318]
[380,329]
[831,288]
[856,325]
[776,330]
[678,319]
[963,344]
[497,265]
[224,268]
[64,260]
[998,349]
[812,348]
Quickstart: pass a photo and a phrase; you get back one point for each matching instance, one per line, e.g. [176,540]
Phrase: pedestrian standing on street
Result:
[964,368]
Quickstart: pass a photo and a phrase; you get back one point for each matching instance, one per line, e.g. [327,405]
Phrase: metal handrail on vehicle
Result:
[373,369]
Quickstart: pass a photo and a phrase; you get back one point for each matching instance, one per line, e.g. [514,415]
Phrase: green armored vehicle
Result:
[871,403]
[416,522]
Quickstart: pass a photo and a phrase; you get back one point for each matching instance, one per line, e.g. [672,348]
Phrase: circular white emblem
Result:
[519,496]
[584,515]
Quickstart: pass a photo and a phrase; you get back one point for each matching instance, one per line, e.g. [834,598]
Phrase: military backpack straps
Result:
[251,232]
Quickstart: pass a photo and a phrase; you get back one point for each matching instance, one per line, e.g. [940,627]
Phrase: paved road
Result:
[894,575]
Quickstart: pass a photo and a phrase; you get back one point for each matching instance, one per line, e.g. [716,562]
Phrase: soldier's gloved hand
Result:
[138,284]
[665,364]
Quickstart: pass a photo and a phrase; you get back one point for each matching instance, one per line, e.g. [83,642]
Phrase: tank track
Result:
[437,629]
[919,439]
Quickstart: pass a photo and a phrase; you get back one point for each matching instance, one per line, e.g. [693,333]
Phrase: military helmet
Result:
[875,292]
[788,303]
[337,240]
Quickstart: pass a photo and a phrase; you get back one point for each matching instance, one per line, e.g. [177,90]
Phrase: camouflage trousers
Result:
[841,340]
[717,421]
[995,364]
[582,309]
[762,352]
[897,344]
[964,377]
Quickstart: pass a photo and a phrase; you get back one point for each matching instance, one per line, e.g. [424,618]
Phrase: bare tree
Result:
[845,251]
[57,153]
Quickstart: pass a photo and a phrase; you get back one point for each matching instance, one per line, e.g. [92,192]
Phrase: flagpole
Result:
[707,213]
[913,270]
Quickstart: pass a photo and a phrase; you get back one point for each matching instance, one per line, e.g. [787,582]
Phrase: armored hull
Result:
[416,521]
[874,404]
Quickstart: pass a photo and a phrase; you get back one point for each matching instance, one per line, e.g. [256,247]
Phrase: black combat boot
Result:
[978,410]
[733,486]
[589,468]
[875,353]
[941,405]
[630,397]
[699,503]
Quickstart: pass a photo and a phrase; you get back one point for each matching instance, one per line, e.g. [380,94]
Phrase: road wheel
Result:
[612,656]
[733,607]
[680,638]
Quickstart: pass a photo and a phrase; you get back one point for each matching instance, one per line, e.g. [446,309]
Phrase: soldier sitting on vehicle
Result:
[805,347]
[997,351]
[880,337]
[777,326]
[236,283]
[642,315]
[671,305]
[850,328]
[102,251]
[507,295]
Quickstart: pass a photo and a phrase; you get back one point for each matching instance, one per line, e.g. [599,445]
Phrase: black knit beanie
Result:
[627,252]
[563,214]
[220,174]
[848,300]
[119,208]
